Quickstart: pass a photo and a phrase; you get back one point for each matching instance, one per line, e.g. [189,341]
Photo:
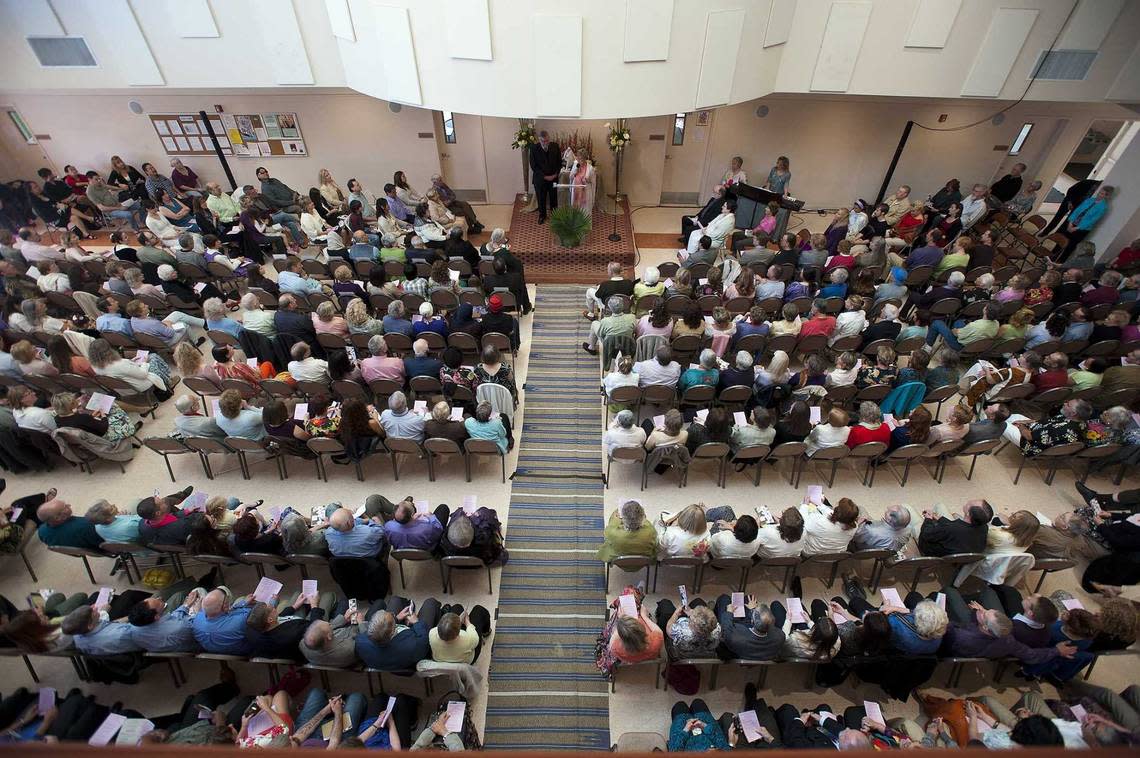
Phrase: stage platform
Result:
[547,262]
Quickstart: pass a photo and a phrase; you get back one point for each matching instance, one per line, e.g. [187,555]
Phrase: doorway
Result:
[21,154]
[1098,150]
[686,146]
[459,140]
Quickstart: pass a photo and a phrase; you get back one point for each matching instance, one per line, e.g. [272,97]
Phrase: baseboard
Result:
[680,198]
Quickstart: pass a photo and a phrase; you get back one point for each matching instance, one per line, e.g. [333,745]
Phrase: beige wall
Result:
[349,134]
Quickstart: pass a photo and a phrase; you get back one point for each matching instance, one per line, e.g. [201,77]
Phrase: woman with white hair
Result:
[623,433]
[217,318]
[134,279]
[706,373]
[429,322]
[497,242]
[254,316]
[623,375]
[650,284]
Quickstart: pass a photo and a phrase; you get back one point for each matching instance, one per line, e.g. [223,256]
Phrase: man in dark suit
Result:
[943,534]
[545,163]
[513,282]
[289,320]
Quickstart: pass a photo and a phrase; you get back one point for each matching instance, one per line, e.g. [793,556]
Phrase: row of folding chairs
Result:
[320,449]
[78,383]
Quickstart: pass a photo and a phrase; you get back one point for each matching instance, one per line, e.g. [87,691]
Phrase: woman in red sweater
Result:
[870,427]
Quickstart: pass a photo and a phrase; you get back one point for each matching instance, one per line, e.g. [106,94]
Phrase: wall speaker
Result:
[395,107]
[136,107]
[761,111]
[998,119]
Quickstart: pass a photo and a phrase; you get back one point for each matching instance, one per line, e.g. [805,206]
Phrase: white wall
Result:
[418,67]
[349,134]
[1121,224]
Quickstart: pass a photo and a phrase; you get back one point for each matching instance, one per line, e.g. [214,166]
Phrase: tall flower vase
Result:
[525,152]
[617,196]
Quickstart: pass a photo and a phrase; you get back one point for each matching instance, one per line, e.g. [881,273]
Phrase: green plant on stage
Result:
[570,225]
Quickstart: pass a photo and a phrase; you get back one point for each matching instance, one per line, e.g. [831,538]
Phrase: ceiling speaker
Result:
[135,106]
[998,119]
[761,111]
[395,107]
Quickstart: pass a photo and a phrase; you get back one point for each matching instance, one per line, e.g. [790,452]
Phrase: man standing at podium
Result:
[545,163]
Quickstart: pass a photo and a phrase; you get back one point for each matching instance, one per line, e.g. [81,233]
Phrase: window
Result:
[1021,137]
[679,129]
[65,52]
[448,127]
[22,128]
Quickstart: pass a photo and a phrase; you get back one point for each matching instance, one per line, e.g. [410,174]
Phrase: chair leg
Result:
[87,566]
[490,590]
[396,469]
[28,565]
[431,468]
[1040,582]
[169,470]
[467,466]
[403,582]
[36,677]
[1019,468]
[503,466]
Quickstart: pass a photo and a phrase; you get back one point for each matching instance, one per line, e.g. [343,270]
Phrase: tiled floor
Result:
[637,705]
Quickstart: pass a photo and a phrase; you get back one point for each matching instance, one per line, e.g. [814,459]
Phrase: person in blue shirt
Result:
[915,630]
[111,320]
[429,322]
[410,529]
[217,318]
[166,626]
[396,320]
[362,248]
[219,626]
[1085,217]
[59,527]
[95,634]
[421,363]
[397,636]
[295,281]
[482,427]
[349,537]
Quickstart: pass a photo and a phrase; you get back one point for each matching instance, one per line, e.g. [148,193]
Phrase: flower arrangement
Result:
[619,135]
[524,137]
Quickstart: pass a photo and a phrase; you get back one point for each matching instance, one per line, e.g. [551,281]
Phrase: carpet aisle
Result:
[544,689]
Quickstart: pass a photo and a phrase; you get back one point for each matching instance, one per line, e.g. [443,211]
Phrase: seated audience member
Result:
[219,626]
[759,432]
[885,327]
[399,421]
[191,423]
[59,527]
[333,643]
[1067,426]
[623,433]
[441,425]
[274,633]
[397,636]
[706,373]
[816,642]
[829,530]
[255,318]
[488,425]
[304,367]
[619,323]
[660,370]
[94,633]
[251,534]
[672,431]
[237,419]
[163,522]
[943,534]
[621,376]
[851,321]
[891,532]
[894,288]
[458,637]
[716,427]
[421,363]
[916,629]
[289,320]
[795,424]
[683,534]
[628,532]
[732,536]
[112,525]
[634,638]
[350,537]
[870,427]
[956,427]
[410,529]
[25,413]
[984,631]
[756,636]
[164,623]
[845,371]
[916,430]
[479,535]
[492,369]
[831,434]
[692,322]
[784,538]
[692,632]
[498,320]
[989,426]
[380,365]
[616,284]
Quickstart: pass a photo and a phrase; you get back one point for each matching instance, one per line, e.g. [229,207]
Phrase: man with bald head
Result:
[397,635]
[333,643]
[60,528]
[221,203]
[350,537]
[362,248]
[219,626]
[420,363]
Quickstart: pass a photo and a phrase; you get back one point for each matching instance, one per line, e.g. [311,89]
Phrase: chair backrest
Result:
[961,559]
[981,447]
[628,393]
[426,385]
[813,343]
[202,385]
[397,342]
[481,447]
[166,445]
[1062,451]
[908,451]
[325,445]
[737,394]
[699,394]
[248,445]
[411,554]
[630,562]
[831,453]
[943,447]
[628,453]
[658,394]
[938,394]
[875,393]
[646,346]
[503,343]
[712,450]
[442,446]
[345,389]
[788,450]
[499,397]
[835,557]
[403,445]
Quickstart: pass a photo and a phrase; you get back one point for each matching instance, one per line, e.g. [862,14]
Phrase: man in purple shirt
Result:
[929,255]
[399,210]
[143,323]
[411,529]
[981,632]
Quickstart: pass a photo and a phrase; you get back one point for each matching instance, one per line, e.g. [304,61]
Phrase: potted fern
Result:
[570,224]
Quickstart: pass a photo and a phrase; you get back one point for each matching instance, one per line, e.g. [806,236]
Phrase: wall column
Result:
[1121,224]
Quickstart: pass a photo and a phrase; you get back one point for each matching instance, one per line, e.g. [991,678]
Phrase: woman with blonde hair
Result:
[684,534]
[325,320]
[359,320]
[190,362]
[744,286]
[1015,536]
[1017,325]
[621,376]
[775,375]
[956,426]
[330,190]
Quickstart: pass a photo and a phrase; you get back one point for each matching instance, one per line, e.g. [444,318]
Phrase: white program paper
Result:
[455,711]
[750,725]
[108,729]
[266,590]
[738,605]
[891,597]
[627,605]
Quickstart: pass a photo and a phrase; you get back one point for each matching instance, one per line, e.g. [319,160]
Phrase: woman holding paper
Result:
[633,636]
[274,734]
[112,425]
[818,641]
[828,530]
[685,534]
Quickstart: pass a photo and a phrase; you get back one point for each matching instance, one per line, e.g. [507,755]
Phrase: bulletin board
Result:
[185,134]
[255,135]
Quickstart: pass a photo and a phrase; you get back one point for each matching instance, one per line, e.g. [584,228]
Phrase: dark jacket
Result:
[503,323]
[283,640]
[943,536]
[401,653]
[296,323]
[425,366]
[545,162]
[174,533]
[882,330]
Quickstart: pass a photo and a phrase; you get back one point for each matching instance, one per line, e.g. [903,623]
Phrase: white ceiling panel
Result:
[467,24]
[398,54]
[557,65]
[718,58]
[1008,30]
[1089,25]
[932,22]
[192,18]
[281,38]
[340,19]
[839,50]
[648,24]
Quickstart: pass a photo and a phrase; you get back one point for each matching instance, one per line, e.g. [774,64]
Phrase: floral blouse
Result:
[869,375]
[1050,433]
[463,376]
[503,376]
[686,645]
[327,425]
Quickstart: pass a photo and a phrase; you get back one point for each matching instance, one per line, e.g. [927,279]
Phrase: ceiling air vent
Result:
[1065,65]
[67,52]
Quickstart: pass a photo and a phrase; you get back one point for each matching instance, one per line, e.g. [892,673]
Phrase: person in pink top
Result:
[325,321]
[635,639]
[657,322]
[380,365]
